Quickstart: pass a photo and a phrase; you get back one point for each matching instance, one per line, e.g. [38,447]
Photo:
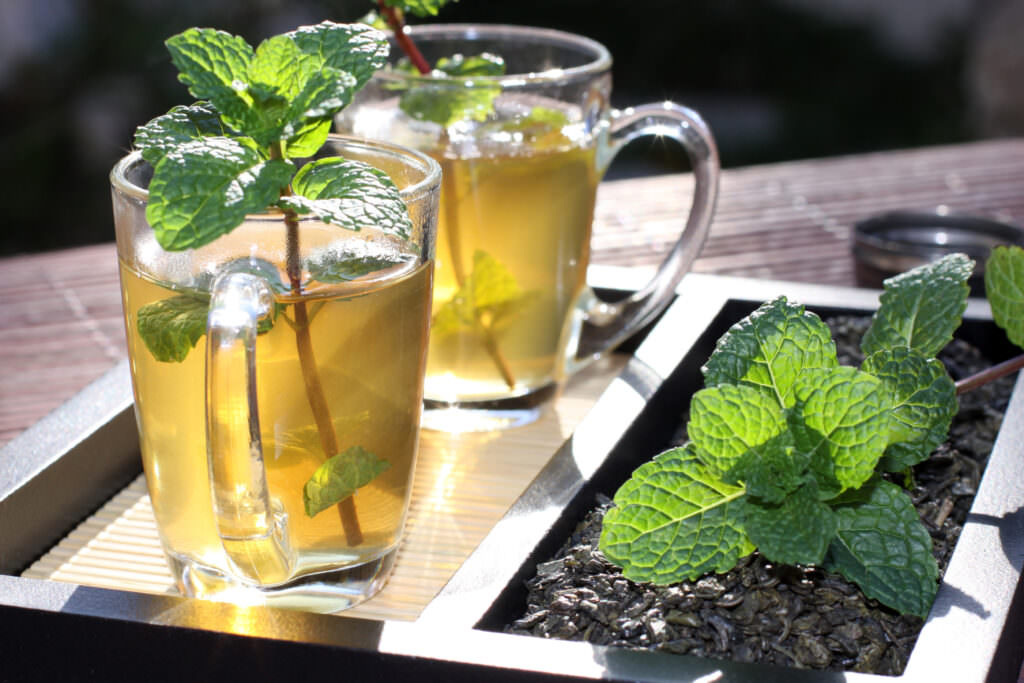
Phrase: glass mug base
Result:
[324,592]
[486,416]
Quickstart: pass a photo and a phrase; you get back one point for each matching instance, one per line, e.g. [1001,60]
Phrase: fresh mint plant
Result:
[788,449]
[236,152]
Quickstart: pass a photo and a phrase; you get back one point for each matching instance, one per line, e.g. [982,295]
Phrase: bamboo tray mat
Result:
[462,486]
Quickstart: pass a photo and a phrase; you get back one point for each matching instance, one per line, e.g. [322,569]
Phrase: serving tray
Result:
[80,459]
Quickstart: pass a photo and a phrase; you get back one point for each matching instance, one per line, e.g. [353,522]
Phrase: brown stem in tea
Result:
[310,374]
[390,15]
[989,374]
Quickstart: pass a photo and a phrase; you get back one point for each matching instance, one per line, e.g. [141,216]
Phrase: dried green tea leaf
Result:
[921,308]
[673,520]
[770,348]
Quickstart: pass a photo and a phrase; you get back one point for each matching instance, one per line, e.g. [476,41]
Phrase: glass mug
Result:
[279,380]
[512,315]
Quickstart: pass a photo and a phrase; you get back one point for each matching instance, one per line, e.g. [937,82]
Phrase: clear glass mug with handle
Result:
[279,417]
[522,154]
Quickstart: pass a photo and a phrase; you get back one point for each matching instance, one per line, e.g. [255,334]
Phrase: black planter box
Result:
[70,463]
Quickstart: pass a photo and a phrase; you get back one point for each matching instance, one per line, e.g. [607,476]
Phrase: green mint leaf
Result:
[673,520]
[374,20]
[356,49]
[447,103]
[339,477]
[348,262]
[1004,288]
[214,65]
[882,546]
[730,420]
[420,8]
[920,309]
[771,471]
[796,531]
[483,64]
[308,139]
[770,348]
[349,194]
[490,292]
[279,68]
[842,413]
[204,188]
[171,327]
[924,403]
[180,125]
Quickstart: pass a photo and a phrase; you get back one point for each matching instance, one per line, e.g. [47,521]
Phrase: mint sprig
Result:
[787,446]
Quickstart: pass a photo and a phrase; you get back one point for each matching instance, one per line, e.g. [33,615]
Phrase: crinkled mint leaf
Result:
[339,477]
[204,188]
[924,403]
[882,546]
[729,420]
[181,124]
[333,266]
[171,327]
[349,194]
[796,531]
[214,65]
[420,8]
[673,520]
[280,68]
[843,413]
[308,139]
[1004,288]
[770,348]
[489,292]
[921,308]
[447,103]
[356,49]
[483,64]
[770,471]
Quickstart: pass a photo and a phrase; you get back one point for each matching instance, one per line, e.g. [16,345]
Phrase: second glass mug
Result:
[512,313]
[283,381]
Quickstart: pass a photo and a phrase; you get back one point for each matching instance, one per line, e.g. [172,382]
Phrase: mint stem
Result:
[989,374]
[307,361]
[404,41]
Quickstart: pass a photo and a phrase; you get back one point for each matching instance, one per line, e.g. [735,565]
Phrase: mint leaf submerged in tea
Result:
[787,449]
[339,477]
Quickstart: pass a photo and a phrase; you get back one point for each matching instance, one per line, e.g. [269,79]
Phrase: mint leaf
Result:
[673,520]
[729,420]
[181,124]
[421,8]
[770,348]
[1004,289]
[171,327]
[214,65]
[349,194]
[771,471]
[333,265]
[489,292]
[204,188]
[882,546]
[924,403]
[308,138]
[483,64]
[339,477]
[842,413]
[279,69]
[921,308]
[796,531]
[356,49]
[447,103]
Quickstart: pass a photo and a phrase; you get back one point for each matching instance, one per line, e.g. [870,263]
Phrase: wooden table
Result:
[60,312]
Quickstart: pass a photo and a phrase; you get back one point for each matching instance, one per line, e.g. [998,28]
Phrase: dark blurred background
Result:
[776,80]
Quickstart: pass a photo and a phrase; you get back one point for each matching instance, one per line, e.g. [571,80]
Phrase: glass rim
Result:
[601,58]
[430,168]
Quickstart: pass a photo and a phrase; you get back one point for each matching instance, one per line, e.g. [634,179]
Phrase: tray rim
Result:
[75,430]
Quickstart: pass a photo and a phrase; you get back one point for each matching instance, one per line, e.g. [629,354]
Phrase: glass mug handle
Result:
[607,324]
[252,532]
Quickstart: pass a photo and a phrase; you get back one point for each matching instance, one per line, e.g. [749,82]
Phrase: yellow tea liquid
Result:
[521,218]
[369,339]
